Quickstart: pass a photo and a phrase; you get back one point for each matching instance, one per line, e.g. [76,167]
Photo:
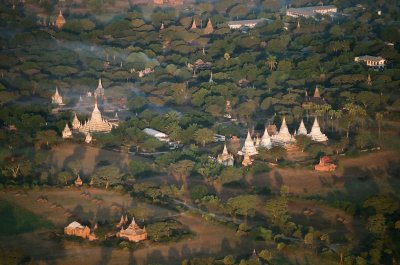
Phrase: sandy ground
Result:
[209,238]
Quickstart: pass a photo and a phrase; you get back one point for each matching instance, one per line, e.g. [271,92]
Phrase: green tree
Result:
[244,205]
[277,209]
[303,141]
[230,174]
[272,62]
[204,136]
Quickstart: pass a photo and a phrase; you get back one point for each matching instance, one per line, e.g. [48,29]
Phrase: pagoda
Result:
[247,160]
[209,28]
[211,78]
[133,232]
[228,109]
[266,139]
[66,133]
[248,147]
[96,123]
[122,221]
[316,134]
[76,124]
[57,98]
[99,92]
[325,165]
[60,21]
[162,26]
[283,136]
[302,129]
[225,158]
[78,182]
[194,26]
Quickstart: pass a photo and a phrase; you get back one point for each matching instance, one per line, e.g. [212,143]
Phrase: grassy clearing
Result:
[16,220]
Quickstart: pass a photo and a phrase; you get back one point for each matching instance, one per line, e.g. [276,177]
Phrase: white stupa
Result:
[283,136]
[302,129]
[316,134]
[96,123]
[225,158]
[57,98]
[248,147]
[76,124]
[88,138]
[266,139]
[66,133]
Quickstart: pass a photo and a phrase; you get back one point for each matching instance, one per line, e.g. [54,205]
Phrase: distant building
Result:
[133,232]
[78,182]
[60,21]
[157,134]
[209,28]
[372,61]
[316,134]
[245,23]
[311,11]
[225,158]
[66,133]
[248,147]
[325,165]
[57,98]
[76,229]
[168,2]
[96,123]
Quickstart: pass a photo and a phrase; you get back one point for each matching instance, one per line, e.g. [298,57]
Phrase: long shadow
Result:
[105,255]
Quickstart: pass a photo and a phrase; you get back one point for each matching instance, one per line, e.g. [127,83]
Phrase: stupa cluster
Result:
[96,123]
[280,138]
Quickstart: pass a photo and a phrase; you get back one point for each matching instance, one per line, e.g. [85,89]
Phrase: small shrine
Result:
[78,182]
[302,129]
[325,165]
[247,160]
[76,124]
[209,28]
[228,110]
[194,26]
[60,21]
[283,137]
[225,158]
[57,99]
[123,221]
[248,146]
[133,232]
[316,134]
[99,92]
[266,139]
[88,138]
[66,133]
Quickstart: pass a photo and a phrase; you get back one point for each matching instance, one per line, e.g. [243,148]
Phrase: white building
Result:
[157,134]
[372,61]
[245,23]
[311,11]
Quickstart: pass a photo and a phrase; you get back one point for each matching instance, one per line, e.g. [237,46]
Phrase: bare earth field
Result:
[210,238]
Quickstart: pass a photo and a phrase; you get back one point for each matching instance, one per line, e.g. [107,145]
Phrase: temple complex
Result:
[316,134]
[57,98]
[248,147]
[325,165]
[283,137]
[302,129]
[96,123]
[209,28]
[225,158]
[266,139]
[133,232]
[76,124]
[60,21]
[66,133]
[315,99]
[247,160]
